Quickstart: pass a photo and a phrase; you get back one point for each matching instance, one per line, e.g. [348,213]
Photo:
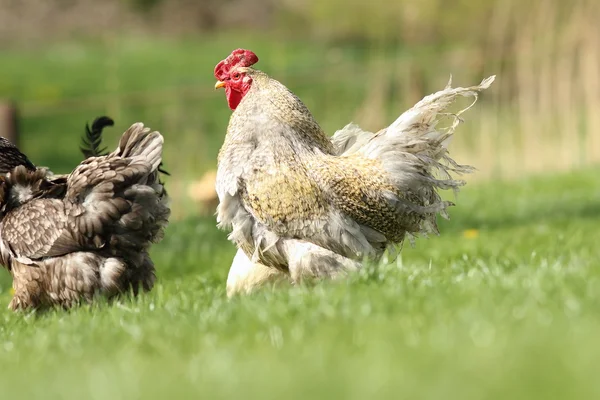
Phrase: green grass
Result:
[510,313]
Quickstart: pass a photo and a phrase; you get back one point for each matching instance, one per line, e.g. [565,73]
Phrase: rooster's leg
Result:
[245,276]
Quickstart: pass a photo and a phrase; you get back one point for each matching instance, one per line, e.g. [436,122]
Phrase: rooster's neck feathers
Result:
[271,99]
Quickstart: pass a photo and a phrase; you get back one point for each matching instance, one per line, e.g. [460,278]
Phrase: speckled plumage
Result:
[89,233]
[286,189]
[11,157]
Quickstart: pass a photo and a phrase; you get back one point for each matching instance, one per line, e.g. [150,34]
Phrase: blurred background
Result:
[65,62]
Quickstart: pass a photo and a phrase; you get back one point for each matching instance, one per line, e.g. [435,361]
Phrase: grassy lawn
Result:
[504,304]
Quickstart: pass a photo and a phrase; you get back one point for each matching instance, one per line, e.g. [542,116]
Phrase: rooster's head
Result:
[231,74]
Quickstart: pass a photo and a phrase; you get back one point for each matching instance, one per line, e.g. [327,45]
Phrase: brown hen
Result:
[68,240]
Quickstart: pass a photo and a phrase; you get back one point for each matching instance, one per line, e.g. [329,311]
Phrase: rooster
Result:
[302,205]
[69,239]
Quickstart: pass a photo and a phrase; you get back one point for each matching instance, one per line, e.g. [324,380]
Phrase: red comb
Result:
[237,58]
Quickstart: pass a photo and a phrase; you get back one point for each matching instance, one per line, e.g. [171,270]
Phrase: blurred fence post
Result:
[9,124]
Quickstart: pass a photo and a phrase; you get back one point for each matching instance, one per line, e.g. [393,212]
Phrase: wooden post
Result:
[9,122]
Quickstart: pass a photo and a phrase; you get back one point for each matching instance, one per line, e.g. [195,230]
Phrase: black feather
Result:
[90,143]
[11,157]
[162,170]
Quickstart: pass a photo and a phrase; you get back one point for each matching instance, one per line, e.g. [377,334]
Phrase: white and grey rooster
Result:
[300,204]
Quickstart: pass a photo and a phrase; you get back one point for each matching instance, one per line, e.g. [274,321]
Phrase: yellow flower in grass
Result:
[471,233]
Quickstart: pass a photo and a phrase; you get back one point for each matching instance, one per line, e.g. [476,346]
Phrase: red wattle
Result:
[233,97]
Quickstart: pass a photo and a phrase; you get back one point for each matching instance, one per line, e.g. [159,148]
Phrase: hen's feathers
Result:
[111,207]
[77,277]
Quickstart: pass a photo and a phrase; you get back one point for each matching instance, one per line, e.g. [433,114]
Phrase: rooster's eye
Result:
[236,75]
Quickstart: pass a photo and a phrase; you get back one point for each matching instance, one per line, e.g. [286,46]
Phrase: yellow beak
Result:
[219,84]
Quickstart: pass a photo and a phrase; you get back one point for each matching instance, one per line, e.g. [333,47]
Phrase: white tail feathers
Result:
[422,118]
[140,143]
[417,123]
[350,139]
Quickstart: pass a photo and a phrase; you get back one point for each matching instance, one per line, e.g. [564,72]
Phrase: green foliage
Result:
[406,22]
[504,304]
